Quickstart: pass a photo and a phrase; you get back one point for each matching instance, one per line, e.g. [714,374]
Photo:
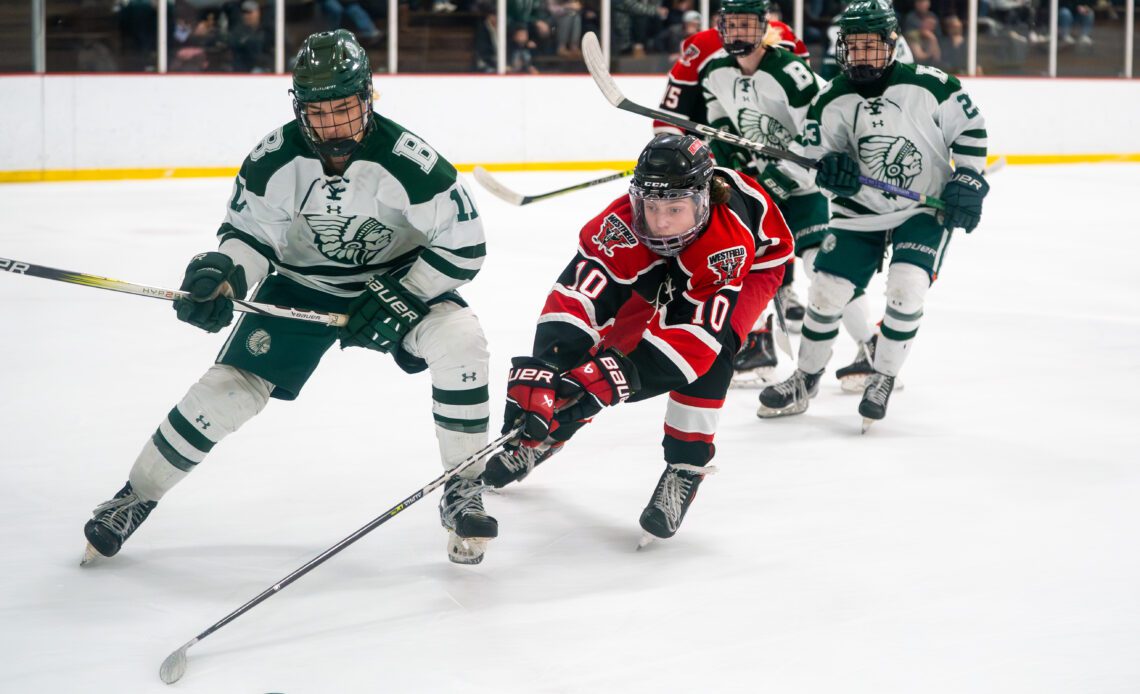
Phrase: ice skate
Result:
[113,522]
[469,527]
[789,397]
[756,361]
[515,462]
[875,398]
[671,500]
[853,377]
[793,309]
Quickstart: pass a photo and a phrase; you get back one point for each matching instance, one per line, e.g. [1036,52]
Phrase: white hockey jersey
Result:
[398,208]
[907,135]
[768,106]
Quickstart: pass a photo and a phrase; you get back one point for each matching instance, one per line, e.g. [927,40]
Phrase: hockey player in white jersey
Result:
[904,124]
[339,210]
[754,88]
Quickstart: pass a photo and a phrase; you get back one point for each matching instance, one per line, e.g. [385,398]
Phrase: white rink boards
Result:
[980,539]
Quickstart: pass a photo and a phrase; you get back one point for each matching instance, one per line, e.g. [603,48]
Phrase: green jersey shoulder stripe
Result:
[422,172]
[792,74]
[275,150]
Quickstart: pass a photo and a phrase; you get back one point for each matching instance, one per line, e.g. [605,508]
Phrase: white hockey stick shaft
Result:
[496,187]
[17,267]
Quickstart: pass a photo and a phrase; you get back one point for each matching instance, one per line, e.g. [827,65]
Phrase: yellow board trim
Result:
[57,175]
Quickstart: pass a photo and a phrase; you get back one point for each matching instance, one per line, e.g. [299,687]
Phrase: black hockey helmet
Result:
[671,177]
[332,66]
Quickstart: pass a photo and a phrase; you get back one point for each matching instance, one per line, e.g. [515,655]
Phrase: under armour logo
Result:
[332,209]
[203,421]
[877,123]
[468,377]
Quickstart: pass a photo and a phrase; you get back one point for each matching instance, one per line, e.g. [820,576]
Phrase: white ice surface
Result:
[982,538]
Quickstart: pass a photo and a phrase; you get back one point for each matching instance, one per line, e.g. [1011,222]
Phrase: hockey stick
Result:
[17,267]
[781,336]
[499,190]
[174,666]
[595,63]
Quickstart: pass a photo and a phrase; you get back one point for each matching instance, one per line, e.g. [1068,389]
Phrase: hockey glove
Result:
[381,317]
[838,173]
[778,184]
[605,380]
[530,399]
[963,197]
[212,280]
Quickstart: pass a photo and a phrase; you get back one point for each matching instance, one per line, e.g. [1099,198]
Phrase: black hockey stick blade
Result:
[174,665]
[496,187]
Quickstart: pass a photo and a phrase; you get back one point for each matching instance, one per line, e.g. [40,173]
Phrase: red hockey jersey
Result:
[695,291]
[683,93]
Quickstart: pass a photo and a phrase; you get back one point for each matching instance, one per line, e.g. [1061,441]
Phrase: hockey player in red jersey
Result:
[684,96]
[685,239]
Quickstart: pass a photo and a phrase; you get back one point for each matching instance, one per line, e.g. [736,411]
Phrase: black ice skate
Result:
[756,360]
[790,397]
[468,525]
[113,522]
[671,500]
[793,309]
[515,462]
[875,399]
[853,377]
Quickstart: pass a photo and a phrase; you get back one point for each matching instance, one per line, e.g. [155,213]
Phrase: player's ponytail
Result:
[719,191]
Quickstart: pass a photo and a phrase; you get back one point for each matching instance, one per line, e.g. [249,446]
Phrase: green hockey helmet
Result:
[742,40]
[330,67]
[867,63]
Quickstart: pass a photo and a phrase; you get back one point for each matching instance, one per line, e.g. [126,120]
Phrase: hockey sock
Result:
[826,299]
[906,291]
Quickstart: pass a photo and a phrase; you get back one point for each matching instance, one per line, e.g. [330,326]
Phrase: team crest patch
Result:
[612,235]
[892,159]
[339,239]
[828,244]
[728,264]
[258,342]
[690,54]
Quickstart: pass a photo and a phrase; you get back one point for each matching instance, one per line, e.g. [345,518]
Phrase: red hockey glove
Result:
[604,380]
[530,399]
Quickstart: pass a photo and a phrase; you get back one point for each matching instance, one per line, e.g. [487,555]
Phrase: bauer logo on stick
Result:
[13,266]
[614,234]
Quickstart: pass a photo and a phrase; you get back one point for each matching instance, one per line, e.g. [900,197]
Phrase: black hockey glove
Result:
[603,381]
[381,317]
[212,280]
[963,197]
[838,173]
[530,399]
[778,184]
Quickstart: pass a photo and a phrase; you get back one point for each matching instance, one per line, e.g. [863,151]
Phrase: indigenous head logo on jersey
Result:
[339,239]
[728,264]
[258,342]
[762,128]
[612,235]
[892,159]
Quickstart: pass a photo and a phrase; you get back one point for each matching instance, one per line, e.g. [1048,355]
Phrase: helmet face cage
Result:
[872,63]
[745,39]
[674,243]
[337,114]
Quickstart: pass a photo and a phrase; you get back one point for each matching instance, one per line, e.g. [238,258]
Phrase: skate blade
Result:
[867,422]
[466,550]
[646,540]
[765,412]
[90,556]
[753,378]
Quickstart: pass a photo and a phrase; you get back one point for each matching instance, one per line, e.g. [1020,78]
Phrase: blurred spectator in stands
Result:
[669,40]
[566,15]
[924,41]
[486,39]
[918,20]
[364,28]
[1021,18]
[623,40]
[138,27]
[248,40]
[1067,11]
[520,58]
[195,36]
[532,15]
[953,46]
